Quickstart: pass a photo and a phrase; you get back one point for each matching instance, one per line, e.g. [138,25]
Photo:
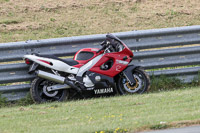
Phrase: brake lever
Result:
[102,44]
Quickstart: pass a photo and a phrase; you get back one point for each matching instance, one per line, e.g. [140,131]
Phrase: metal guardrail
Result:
[153,49]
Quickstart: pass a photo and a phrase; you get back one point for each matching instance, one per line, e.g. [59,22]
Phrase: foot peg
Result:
[73,86]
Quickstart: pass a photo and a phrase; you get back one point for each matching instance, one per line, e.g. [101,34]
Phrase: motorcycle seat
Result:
[70,62]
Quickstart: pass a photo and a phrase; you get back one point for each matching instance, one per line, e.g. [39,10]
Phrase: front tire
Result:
[142,83]
[40,94]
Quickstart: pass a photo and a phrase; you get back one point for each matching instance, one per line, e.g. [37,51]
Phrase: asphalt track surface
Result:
[192,129]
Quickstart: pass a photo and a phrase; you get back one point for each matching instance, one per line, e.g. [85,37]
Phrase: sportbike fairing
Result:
[53,64]
[99,71]
[62,66]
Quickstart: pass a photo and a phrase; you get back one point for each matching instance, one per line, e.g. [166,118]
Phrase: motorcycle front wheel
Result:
[40,94]
[142,83]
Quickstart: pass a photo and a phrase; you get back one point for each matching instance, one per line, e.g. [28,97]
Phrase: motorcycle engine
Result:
[87,82]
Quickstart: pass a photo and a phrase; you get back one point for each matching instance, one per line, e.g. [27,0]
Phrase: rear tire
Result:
[142,83]
[40,94]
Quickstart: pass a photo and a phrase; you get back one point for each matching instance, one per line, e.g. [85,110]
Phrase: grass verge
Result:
[21,102]
[113,114]
[165,83]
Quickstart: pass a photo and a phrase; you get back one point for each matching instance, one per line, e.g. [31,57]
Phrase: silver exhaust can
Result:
[51,77]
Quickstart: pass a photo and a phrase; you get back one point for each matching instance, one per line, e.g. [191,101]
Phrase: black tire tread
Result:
[37,99]
[147,76]
[32,91]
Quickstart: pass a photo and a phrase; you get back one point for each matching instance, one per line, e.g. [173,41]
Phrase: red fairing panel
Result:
[119,64]
[47,62]
[78,66]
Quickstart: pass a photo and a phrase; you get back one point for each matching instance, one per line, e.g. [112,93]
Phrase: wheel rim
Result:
[45,95]
[135,87]
[49,93]
[138,87]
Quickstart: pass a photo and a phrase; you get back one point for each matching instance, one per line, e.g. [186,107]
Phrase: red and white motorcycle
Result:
[92,72]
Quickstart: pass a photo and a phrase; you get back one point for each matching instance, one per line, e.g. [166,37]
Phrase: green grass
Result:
[122,113]
[2,101]
[164,83]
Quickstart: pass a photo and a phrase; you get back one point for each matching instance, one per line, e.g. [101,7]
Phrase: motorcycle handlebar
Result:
[104,46]
[101,49]
[104,42]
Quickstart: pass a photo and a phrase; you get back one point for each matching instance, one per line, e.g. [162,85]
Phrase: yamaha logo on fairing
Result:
[122,62]
[102,91]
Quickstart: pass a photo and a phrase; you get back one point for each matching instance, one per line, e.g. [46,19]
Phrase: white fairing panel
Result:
[88,65]
[56,64]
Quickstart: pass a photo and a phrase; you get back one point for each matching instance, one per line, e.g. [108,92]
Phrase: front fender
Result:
[128,73]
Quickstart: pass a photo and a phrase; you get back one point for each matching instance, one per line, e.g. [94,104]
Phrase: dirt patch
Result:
[74,17]
[20,26]
[20,6]
[165,125]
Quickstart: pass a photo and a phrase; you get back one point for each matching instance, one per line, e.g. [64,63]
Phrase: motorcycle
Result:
[92,72]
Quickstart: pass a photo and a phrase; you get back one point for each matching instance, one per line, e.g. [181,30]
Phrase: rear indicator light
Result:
[28,62]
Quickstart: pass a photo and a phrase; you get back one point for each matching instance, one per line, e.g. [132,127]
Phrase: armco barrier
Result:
[152,49]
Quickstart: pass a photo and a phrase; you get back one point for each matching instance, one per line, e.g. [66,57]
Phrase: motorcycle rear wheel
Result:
[40,94]
[142,83]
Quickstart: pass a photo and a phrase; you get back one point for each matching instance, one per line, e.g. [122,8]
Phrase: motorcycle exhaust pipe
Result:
[51,77]
[57,79]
